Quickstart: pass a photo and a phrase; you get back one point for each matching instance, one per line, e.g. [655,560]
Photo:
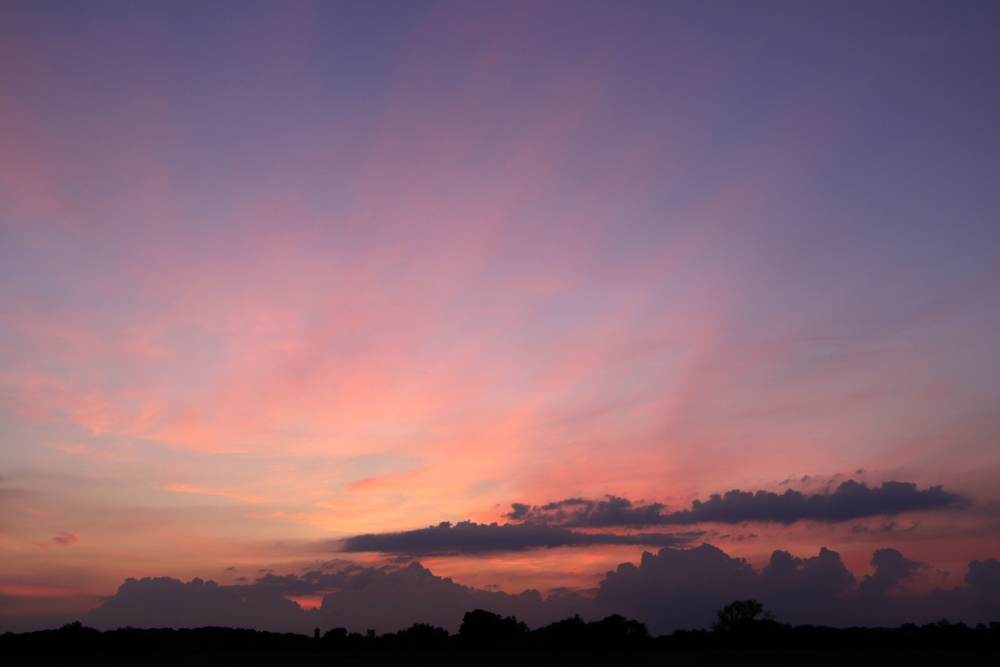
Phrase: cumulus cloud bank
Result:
[850,500]
[356,597]
[671,589]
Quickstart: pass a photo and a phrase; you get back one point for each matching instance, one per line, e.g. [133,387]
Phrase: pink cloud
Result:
[37,511]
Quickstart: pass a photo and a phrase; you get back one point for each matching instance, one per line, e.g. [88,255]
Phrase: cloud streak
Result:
[850,500]
[468,537]
[63,539]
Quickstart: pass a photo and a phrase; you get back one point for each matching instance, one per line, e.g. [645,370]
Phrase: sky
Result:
[362,314]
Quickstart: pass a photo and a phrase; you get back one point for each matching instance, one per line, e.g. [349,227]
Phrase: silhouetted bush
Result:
[566,636]
[614,633]
[418,638]
[484,631]
[617,633]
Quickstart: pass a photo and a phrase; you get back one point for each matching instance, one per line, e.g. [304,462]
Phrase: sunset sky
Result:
[301,298]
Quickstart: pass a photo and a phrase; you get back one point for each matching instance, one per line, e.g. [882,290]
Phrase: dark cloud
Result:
[795,480]
[985,576]
[392,599]
[806,589]
[468,537]
[580,512]
[823,575]
[889,527]
[678,588]
[977,601]
[892,570]
[850,500]
[682,588]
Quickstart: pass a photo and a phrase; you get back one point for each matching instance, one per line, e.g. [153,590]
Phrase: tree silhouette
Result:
[742,625]
[483,630]
[740,616]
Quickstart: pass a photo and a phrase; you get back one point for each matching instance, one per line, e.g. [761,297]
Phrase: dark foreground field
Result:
[486,639]
[694,659]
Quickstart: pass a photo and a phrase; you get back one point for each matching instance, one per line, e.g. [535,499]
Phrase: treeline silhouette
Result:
[483,632]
